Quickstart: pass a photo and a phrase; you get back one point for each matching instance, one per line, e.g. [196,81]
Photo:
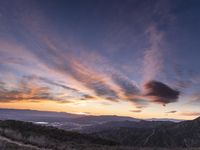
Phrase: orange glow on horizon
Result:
[91,109]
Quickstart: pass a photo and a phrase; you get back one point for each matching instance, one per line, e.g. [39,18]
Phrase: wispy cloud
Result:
[25,92]
[171,112]
[34,88]
[128,87]
[190,113]
[48,81]
[153,55]
[136,111]
[63,68]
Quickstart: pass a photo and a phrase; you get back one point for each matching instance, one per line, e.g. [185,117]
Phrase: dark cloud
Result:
[160,92]
[171,112]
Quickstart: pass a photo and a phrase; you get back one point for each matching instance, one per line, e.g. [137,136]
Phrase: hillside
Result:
[113,125]
[47,137]
[96,131]
[18,135]
[183,134]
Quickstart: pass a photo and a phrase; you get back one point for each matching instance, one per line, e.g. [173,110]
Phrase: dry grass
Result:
[4,145]
[131,148]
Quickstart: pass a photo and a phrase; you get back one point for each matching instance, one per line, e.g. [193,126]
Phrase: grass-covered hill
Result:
[48,137]
[183,134]
[18,135]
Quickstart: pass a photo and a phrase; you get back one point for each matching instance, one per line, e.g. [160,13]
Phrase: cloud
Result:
[88,97]
[190,114]
[185,78]
[57,55]
[171,112]
[72,92]
[90,78]
[48,81]
[69,65]
[55,52]
[153,56]
[25,92]
[130,91]
[160,93]
[128,87]
[34,88]
[11,60]
[195,97]
[136,111]
[140,101]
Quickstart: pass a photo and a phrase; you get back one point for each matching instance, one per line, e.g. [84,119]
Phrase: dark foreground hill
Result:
[18,135]
[183,134]
[113,125]
[47,137]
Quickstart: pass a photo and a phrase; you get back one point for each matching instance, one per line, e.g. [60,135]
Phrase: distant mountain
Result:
[102,119]
[72,122]
[165,119]
[122,124]
[94,130]
[61,120]
[183,134]
[49,116]
[36,116]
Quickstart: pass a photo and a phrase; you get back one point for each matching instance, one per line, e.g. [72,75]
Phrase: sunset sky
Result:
[138,58]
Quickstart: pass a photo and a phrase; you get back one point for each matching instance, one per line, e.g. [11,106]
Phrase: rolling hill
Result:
[182,134]
[114,135]
[47,137]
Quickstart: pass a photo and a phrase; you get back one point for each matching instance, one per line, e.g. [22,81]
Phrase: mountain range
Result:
[156,134]
[69,121]
[106,131]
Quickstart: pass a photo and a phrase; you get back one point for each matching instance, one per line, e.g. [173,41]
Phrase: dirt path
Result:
[21,144]
[147,139]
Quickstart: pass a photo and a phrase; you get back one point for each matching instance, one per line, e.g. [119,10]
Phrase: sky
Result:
[137,58]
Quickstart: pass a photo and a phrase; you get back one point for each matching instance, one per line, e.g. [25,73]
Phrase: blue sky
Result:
[138,55]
